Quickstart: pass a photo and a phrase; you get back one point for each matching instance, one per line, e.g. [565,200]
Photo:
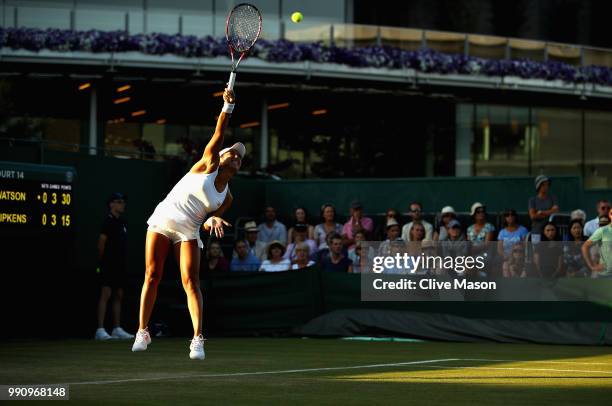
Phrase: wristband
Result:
[228,108]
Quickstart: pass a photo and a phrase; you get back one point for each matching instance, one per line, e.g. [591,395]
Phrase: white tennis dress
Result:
[181,214]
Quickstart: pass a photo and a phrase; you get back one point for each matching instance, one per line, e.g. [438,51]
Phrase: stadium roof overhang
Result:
[172,67]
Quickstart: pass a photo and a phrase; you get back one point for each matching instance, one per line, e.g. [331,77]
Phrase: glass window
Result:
[501,140]
[598,161]
[557,141]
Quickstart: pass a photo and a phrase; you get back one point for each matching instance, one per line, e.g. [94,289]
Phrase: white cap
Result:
[238,147]
[392,222]
[448,209]
[475,206]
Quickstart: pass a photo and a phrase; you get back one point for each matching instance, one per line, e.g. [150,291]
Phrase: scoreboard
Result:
[36,200]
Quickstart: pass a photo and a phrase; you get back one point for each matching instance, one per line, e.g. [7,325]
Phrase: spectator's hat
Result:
[541,179]
[476,206]
[301,227]
[276,243]
[604,221]
[238,147]
[448,210]
[356,204]
[454,223]
[392,222]
[250,226]
[115,196]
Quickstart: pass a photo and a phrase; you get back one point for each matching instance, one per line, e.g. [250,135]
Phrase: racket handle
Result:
[232,80]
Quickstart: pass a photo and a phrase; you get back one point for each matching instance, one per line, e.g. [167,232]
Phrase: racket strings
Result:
[244,27]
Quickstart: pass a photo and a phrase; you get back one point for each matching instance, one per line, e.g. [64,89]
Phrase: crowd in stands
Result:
[583,247]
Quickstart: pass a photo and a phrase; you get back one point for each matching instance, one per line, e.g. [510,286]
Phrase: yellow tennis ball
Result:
[297,17]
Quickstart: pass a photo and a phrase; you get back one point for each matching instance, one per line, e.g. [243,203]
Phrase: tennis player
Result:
[203,192]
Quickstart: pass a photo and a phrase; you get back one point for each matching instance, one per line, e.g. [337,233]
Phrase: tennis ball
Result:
[297,17]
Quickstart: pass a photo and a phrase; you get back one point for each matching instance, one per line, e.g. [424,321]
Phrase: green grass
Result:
[523,374]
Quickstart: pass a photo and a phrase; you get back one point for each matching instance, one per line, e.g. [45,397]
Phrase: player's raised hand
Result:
[214,225]
[229,96]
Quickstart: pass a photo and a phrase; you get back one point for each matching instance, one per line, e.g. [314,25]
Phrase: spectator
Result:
[112,268]
[300,233]
[327,227]
[573,263]
[416,214]
[381,230]
[272,229]
[603,206]
[355,223]
[548,256]
[481,230]
[245,260]
[603,238]
[578,214]
[275,261]
[300,217]
[512,233]
[215,261]
[336,261]
[446,215]
[393,234]
[417,232]
[352,253]
[255,246]
[302,257]
[514,265]
[541,206]
[455,244]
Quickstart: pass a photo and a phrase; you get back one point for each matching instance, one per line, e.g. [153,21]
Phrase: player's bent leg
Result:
[156,250]
[190,270]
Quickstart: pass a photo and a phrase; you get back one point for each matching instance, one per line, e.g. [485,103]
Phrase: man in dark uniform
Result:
[112,260]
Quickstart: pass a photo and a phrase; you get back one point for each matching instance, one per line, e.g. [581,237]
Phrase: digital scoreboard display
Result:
[36,199]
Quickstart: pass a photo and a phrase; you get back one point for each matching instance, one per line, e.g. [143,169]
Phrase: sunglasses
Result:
[479,211]
[119,201]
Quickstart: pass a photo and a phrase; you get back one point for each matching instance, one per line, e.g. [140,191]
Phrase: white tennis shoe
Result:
[143,339]
[197,348]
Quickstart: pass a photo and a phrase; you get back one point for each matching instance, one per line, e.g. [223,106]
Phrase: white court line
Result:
[517,369]
[286,371]
[534,360]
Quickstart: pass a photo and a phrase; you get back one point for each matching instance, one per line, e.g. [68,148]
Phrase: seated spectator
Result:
[352,253]
[300,216]
[271,229]
[481,230]
[573,263]
[355,223]
[416,214]
[417,232]
[446,215]
[300,234]
[381,230]
[215,261]
[514,265]
[302,257]
[455,244]
[336,261]
[327,227]
[275,261]
[578,214]
[255,247]
[603,206]
[244,261]
[511,234]
[393,234]
[541,206]
[548,255]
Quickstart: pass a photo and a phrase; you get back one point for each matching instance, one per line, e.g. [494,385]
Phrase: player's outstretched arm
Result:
[210,158]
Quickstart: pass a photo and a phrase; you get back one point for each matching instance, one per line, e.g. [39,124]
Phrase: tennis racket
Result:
[242,30]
